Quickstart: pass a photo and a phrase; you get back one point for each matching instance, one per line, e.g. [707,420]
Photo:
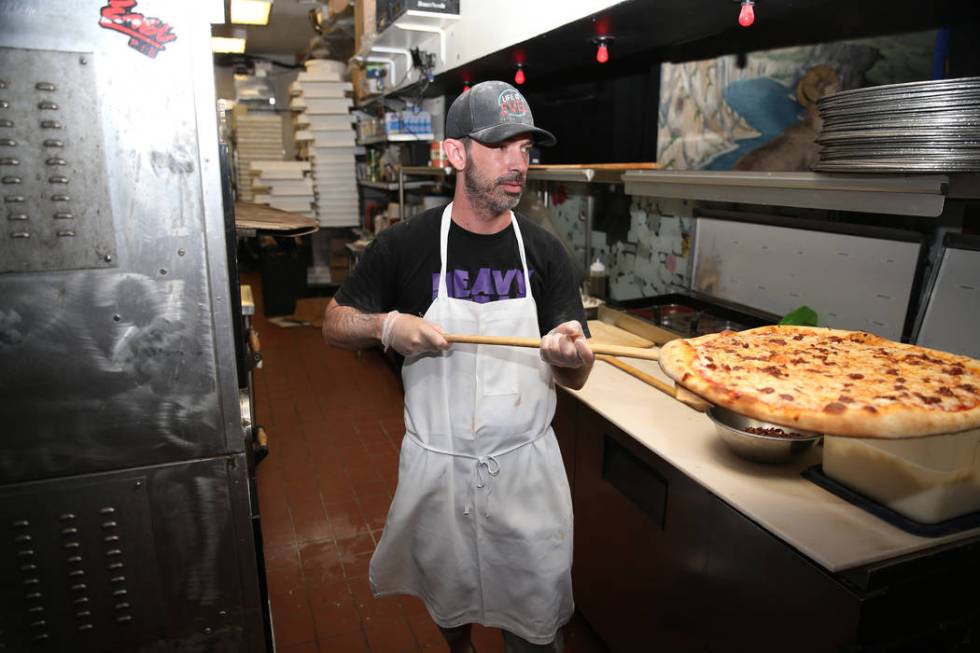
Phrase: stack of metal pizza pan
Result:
[931,126]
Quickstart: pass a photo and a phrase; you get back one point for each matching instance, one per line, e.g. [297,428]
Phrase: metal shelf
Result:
[392,185]
[915,195]
[392,47]
[579,174]
[395,138]
[426,171]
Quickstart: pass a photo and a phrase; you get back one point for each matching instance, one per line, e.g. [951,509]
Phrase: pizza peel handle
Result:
[612,350]
[677,392]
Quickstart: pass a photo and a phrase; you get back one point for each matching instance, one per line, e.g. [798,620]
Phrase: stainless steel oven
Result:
[126,517]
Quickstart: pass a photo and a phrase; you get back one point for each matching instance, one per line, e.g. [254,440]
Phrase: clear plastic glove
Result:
[565,346]
[410,335]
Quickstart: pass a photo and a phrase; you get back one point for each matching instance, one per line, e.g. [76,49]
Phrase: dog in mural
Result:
[796,148]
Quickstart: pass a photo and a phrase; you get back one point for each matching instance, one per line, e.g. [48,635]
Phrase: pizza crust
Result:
[869,411]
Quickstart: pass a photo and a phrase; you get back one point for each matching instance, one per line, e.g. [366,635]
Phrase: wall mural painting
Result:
[715,115]
[762,115]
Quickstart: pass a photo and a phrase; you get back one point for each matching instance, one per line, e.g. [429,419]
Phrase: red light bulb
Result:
[466,86]
[602,54]
[747,14]
[519,76]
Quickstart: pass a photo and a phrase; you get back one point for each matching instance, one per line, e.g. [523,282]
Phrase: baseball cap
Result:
[492,112]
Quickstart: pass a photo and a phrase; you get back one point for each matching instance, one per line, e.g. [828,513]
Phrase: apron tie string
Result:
[492,467]
[488,463]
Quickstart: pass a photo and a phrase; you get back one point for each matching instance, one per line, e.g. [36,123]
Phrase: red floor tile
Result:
[392,636]
[345,643]
[336,619]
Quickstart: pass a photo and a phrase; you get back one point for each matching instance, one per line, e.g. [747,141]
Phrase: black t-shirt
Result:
[400,270]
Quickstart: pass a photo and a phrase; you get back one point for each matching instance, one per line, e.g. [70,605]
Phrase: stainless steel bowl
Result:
[759,448]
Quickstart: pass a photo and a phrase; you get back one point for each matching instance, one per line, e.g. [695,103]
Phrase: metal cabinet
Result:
[663,564]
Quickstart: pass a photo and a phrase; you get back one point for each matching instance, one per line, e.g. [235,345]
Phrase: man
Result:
[480,527]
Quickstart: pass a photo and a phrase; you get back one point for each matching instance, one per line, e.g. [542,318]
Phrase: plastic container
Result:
[928,479]
[598,280]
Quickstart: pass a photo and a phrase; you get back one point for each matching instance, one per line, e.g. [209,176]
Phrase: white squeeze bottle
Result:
[598,279]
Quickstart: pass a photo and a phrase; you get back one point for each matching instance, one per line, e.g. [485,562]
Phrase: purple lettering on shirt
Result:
[502,281]
[461,284]
[489,284]
[482,289]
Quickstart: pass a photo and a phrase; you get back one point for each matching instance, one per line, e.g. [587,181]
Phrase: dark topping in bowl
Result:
[773,432]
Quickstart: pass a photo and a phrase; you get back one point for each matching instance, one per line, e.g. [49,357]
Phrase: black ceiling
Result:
[648,32]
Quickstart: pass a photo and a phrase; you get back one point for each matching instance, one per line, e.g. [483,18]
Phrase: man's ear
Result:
[455,152]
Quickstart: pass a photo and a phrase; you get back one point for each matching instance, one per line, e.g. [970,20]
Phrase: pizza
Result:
[831,381]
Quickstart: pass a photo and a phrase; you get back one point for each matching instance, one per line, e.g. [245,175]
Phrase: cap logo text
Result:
[512,105]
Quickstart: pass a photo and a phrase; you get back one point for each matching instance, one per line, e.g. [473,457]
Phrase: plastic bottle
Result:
[598,279]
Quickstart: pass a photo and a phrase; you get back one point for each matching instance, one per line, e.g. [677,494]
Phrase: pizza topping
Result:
[900,379]
[797,361]
[834,408]
[946,392]
[955,370]
[969,387]
[775,371]
[777,341]
[798,336]
[767,391]
[844,399]
[870,409]
[892,371]
[786,397]
[856,376]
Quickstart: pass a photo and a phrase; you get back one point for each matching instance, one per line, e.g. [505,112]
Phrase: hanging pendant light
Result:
[746,16]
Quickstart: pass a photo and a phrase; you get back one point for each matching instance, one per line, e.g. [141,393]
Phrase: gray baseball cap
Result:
[492,112]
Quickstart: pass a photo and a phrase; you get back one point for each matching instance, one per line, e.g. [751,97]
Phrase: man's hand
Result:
[410,335]
[565,346]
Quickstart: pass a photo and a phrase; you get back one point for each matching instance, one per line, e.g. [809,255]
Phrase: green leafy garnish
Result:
[802,316]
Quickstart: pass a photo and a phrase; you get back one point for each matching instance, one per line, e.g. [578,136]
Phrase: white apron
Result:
[481,524]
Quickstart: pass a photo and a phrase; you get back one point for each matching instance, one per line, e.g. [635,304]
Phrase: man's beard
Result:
[486,195]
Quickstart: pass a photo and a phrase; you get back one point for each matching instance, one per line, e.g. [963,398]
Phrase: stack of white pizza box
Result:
[284,185]
[258,137]
[325,135]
